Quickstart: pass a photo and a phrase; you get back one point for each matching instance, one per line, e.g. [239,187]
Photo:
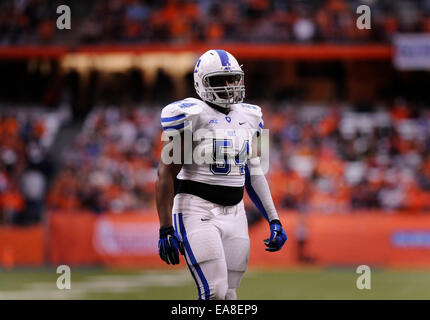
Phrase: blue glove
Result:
[168,245]
[277,237]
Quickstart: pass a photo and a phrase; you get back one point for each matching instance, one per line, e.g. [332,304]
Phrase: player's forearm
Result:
[165,187]
[259,191]
[164,193]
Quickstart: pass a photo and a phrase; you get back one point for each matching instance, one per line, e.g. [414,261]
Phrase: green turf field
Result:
[178,284]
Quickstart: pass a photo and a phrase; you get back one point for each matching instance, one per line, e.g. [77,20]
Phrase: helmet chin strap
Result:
[223,104]
[223,109]
[213,101]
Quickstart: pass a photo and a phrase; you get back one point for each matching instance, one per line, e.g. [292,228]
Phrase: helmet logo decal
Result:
[197,65]
[186,105]
[224,58]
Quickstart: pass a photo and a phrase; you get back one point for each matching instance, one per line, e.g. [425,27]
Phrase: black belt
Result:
[222,195]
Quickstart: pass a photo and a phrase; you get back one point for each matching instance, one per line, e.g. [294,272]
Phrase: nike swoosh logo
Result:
[240,123]
[204,219]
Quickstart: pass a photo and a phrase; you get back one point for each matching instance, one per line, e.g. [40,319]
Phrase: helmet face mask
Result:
[224,88]
[219,79]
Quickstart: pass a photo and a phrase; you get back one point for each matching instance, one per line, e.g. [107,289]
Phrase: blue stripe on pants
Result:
[192,258]
[186,260]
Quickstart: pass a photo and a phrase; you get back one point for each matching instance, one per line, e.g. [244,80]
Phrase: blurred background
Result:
[349,119]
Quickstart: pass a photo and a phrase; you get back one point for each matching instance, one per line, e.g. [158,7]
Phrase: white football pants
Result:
[216,244]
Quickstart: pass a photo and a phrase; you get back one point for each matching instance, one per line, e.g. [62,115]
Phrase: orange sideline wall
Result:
[21,246]
[125,240]
[130,240]
[378,239]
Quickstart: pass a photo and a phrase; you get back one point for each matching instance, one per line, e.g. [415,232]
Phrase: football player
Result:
[199,203]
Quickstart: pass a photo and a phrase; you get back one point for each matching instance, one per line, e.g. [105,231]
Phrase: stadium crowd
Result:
[111,166]
[188,21]
[325,159]
[25,167]
[338,160]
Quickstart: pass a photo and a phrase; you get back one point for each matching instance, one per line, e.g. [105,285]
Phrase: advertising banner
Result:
[131,240]
[125,240]
[412,51]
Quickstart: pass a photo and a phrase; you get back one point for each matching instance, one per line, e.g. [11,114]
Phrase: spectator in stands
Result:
[24,167]
[187,21]
[324,159]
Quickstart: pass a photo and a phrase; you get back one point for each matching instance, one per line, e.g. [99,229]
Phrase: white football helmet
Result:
[218,78]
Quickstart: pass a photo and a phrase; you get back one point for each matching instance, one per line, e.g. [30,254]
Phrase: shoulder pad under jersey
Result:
[255,113]
[179,114]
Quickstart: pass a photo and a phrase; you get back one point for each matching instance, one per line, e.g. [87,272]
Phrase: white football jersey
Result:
[221,143]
